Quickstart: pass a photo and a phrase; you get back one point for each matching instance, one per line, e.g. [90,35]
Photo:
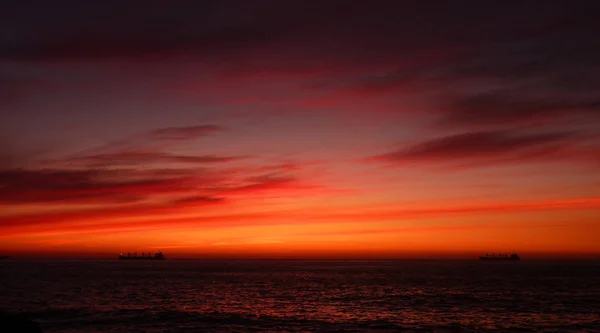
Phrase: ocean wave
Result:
[153,321]
[186,296]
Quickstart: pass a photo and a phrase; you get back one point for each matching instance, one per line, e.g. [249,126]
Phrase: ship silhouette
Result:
[129,256]
[500,257]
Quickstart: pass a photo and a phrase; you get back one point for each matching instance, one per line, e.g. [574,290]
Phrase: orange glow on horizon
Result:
[313,232]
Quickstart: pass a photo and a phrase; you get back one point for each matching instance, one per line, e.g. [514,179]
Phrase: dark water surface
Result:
[304,296]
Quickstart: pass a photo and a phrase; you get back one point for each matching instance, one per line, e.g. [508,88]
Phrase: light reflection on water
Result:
[178,296]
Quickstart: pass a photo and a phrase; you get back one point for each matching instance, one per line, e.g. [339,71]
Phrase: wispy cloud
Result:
[184,133]
[508,108]
[76,186]
[182,188]
[499,146]
[138,157]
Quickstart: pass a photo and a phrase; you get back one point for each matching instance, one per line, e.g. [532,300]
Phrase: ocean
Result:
[304,296]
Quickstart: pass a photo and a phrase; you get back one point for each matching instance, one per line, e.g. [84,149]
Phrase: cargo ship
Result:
[500,257]
[134,256]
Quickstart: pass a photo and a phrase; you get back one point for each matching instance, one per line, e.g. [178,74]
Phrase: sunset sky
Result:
[306,129]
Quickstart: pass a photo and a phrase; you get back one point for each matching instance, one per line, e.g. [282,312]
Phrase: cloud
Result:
[129,200]
[511,107]
[77,186]
[198,199]
[120,185]
[146,148]
[139,158]
[154,137]
[98,223]
[129,213]
[263,183]
[184,133]
[490,145]
[286,166]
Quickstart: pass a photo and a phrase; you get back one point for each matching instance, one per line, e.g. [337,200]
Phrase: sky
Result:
[299,129]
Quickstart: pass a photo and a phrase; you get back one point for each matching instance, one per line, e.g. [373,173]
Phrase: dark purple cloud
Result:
[31,186]
[510,107]
[146,147]
[184,133]
[139,158]
[473,146]
[152,138]
[23,186]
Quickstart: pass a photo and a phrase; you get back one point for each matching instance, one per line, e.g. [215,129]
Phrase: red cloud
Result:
[29,186]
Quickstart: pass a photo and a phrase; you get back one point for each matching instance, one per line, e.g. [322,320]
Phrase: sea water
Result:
[304,296]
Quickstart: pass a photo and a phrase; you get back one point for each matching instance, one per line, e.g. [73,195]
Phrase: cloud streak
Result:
[494,108]
[501,146]
[139,158]
[184,133]
[73,186]
[20,186]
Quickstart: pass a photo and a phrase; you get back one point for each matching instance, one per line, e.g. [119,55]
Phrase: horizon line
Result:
[180,258]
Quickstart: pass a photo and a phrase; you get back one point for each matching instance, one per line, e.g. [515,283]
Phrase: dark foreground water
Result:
[304,296]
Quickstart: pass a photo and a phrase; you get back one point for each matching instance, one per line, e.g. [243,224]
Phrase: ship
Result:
[129,256]
[500,257]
